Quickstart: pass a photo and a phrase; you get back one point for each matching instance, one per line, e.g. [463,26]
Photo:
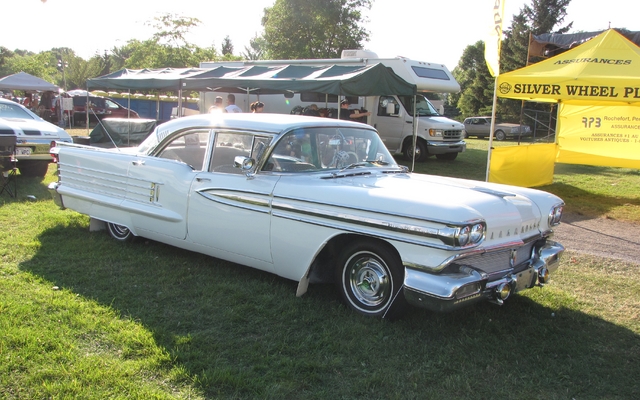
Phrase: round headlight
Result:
[555,215]
[463,236]
[477,233]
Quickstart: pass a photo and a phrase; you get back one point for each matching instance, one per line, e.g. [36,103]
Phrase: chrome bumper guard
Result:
[449,292]
[57,198]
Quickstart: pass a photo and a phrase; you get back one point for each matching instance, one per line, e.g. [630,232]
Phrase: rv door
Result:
[390,122]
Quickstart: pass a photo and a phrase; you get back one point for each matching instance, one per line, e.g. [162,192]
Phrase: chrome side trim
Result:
[246,200]
[373,211]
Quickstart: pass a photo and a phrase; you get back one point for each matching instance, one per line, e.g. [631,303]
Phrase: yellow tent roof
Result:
[604,69]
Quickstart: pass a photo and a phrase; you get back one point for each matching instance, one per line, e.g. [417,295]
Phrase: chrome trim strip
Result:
[361,231]
[365,221]
[245,200]
[380,212]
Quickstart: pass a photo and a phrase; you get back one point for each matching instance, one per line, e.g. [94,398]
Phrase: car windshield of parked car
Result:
[328,148]
[14,111]
[424,108]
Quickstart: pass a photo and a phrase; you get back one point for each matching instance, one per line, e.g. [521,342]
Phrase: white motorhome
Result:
[391,115]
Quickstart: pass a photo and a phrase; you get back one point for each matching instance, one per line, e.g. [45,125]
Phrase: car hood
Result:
[443,122]
[511,213]
[33,129]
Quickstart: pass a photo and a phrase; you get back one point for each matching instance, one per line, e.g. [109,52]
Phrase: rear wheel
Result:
[370,277]
[500,135]
[120,232]
[34,168]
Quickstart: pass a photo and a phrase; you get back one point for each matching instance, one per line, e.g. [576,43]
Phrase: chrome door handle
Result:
[203,179]
[137,162]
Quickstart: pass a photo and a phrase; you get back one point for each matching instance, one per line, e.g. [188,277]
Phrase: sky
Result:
[424,30]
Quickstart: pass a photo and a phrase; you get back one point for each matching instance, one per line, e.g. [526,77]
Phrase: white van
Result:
[391,115]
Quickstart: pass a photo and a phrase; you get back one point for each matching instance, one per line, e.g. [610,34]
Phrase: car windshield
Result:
[14,111]
[328,148]
[424,108]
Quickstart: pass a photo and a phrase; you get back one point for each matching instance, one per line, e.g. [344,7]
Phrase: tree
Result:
[227,46]
[167,48]
[476,93]
[256,49]
[476,83]
[295,29]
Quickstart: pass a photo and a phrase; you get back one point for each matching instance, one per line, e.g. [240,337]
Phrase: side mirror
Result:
[243,162]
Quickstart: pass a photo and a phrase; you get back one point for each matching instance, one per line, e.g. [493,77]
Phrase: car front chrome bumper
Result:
[447,292]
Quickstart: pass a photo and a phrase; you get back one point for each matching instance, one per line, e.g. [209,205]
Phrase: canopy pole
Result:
[415,134]
[128,117]
[493,125]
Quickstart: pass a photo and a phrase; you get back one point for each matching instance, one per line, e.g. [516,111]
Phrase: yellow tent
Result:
[604,69]
[597,86]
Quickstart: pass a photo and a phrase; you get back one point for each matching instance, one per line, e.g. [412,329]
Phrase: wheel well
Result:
[323,266]
[408,141]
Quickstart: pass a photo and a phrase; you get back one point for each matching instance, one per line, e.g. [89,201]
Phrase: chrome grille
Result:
[497,261]
[453,134]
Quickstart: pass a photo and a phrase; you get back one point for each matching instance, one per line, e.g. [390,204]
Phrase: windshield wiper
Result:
[363,164]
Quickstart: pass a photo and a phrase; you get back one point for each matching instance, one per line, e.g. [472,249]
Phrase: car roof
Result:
[265,122]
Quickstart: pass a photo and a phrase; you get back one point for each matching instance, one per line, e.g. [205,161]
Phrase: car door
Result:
[158,187]
[230,212]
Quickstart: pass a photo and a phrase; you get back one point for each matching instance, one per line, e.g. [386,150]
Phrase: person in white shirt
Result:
[217,107]
[232,107]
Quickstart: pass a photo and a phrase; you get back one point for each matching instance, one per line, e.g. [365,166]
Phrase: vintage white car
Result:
[314,199]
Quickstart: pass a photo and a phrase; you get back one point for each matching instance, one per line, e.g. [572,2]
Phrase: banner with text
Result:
[599,135]
[494,39]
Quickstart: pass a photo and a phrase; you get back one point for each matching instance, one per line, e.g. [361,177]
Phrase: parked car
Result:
[101,107]
[315,200]
[34,137]
[481,127]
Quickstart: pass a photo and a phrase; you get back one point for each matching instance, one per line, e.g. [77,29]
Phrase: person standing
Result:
[217,107]
[232,107]
[346,113]
[257,107]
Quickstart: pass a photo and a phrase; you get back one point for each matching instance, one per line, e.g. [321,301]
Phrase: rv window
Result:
[314,97]
[431,73]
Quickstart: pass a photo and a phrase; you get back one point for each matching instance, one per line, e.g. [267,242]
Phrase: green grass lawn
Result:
[84,317]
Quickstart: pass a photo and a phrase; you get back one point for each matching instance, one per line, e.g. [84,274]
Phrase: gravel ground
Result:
[599,237]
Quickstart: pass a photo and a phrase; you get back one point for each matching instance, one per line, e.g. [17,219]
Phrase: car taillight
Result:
[54,157]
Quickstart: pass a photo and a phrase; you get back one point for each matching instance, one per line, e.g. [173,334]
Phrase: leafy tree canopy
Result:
[297,29]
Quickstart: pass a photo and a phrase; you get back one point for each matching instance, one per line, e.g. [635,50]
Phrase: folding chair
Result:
[8,168]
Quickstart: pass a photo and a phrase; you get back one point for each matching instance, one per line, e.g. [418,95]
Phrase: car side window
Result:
[189,148]
[227,146]
[111,104]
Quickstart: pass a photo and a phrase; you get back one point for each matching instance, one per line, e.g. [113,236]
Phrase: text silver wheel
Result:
[500,135]
[370,276]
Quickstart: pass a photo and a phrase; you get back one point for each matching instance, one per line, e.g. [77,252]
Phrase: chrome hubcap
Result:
[369,281]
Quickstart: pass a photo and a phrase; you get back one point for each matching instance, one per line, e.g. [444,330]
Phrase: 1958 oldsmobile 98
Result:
[313,199]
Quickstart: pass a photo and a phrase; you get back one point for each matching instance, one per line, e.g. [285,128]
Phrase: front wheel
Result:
[421,150]
[500,135]
[120,232]
[370,277]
